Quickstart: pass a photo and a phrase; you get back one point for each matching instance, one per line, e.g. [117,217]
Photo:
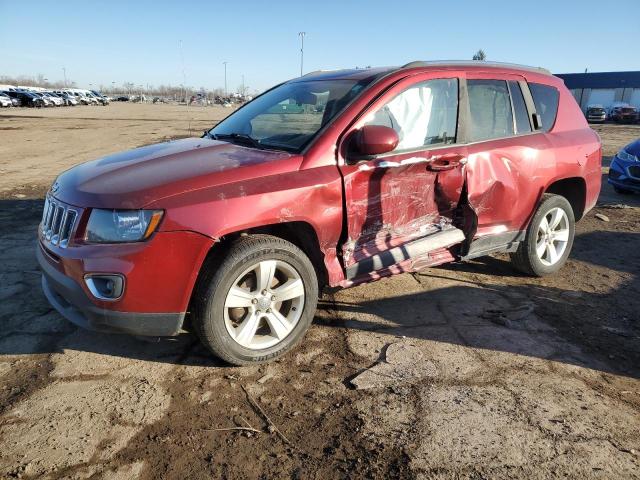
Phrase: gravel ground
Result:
[464,371]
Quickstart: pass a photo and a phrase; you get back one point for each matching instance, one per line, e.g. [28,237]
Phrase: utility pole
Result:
[225,78]
[184,75]
[64,72]
[301,35]
[242,86]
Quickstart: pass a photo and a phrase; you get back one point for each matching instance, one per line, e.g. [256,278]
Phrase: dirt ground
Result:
[464,371]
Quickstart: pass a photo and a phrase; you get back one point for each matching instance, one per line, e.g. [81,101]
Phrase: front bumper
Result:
[71,301]
[624,174]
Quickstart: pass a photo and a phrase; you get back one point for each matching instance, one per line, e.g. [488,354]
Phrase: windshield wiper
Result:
[243,137]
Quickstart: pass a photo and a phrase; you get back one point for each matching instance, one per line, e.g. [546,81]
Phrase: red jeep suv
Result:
[330,179]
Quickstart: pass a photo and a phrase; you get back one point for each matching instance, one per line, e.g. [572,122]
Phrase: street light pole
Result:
[301,35]
[225,78]
[64,72]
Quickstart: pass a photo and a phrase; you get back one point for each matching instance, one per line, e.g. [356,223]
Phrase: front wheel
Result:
[549,238]
[257,302]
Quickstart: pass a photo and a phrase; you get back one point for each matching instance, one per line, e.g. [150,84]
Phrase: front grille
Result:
[58,222]
[634,171]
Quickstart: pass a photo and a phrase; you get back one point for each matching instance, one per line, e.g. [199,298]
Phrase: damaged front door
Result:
[411,192]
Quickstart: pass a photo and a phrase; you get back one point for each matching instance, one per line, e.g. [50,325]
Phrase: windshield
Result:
[289,116]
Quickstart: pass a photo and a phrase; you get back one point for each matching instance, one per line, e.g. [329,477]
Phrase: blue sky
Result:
[101,42]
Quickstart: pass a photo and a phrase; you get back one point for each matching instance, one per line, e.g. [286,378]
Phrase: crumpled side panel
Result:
[505,182]
[392,201]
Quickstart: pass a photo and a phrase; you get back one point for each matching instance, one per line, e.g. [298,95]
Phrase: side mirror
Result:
[374,140]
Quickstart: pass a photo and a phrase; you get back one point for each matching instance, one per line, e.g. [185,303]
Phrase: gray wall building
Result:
[603,88]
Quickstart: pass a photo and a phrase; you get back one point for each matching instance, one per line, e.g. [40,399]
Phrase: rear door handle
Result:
[448,161]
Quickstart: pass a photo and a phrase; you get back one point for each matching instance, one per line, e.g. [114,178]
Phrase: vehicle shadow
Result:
[467,312]
[585,327]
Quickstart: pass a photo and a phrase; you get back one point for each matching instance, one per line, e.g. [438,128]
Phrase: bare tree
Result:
[480,55]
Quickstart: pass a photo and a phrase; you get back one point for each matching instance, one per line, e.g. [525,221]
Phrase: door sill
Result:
[416,248]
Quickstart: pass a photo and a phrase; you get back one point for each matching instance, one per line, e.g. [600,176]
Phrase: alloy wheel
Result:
[553,236]
[264,304]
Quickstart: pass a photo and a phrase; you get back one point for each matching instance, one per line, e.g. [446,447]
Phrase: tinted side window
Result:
[545,99]
[519,108]
[490,109]
[424,114]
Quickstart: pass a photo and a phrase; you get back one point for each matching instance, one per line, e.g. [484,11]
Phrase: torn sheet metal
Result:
[394,200]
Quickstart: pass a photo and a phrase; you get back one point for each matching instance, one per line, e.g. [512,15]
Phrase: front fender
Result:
[313,196]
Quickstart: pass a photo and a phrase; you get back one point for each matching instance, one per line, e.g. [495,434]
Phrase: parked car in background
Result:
[101,98]
[624,171]
[47,102]
[405,168]
[53,98]
[596,114]
[69,99]
[122,98]
[83,99]
[5,101]
[624,114]
[27,99]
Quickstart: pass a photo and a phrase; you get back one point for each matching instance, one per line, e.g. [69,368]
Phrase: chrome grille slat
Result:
[58,222]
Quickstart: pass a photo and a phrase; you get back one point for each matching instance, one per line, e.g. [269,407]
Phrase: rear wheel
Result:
[549,238]
[257,302]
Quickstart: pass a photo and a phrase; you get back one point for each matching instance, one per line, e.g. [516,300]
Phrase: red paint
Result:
[376,139]
[209,189]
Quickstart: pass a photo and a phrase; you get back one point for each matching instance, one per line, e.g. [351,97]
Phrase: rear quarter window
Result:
[546,100]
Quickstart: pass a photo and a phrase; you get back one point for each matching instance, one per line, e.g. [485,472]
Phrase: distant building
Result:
[603,88]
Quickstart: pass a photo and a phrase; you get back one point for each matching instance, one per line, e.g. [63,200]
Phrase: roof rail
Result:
[315,72]
[474,63]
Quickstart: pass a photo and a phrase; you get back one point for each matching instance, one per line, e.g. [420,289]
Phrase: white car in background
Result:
[54,99]
[5,100]
[82,98]
[69,99]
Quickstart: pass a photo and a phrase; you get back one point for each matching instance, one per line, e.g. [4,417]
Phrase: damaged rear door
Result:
[395,199]
[508,159]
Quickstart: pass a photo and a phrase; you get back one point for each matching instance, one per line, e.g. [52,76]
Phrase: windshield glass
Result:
[289,116]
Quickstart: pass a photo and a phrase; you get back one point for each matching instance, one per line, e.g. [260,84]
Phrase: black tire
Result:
[219,276]
[622,191]
[525,258]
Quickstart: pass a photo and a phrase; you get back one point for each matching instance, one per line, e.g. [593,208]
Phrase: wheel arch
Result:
[300,233]
[574,189]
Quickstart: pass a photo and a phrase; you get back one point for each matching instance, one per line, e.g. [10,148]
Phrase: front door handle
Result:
[448,161]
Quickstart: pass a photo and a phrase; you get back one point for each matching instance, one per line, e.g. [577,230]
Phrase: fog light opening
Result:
[107,287]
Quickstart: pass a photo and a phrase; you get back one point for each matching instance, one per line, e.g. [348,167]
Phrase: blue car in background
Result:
[624,172]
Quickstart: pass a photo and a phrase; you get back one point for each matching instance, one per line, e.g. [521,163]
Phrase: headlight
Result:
[117,226]
[624,155]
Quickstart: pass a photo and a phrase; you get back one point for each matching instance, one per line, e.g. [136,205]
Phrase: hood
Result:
[135,178]
[634,148]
